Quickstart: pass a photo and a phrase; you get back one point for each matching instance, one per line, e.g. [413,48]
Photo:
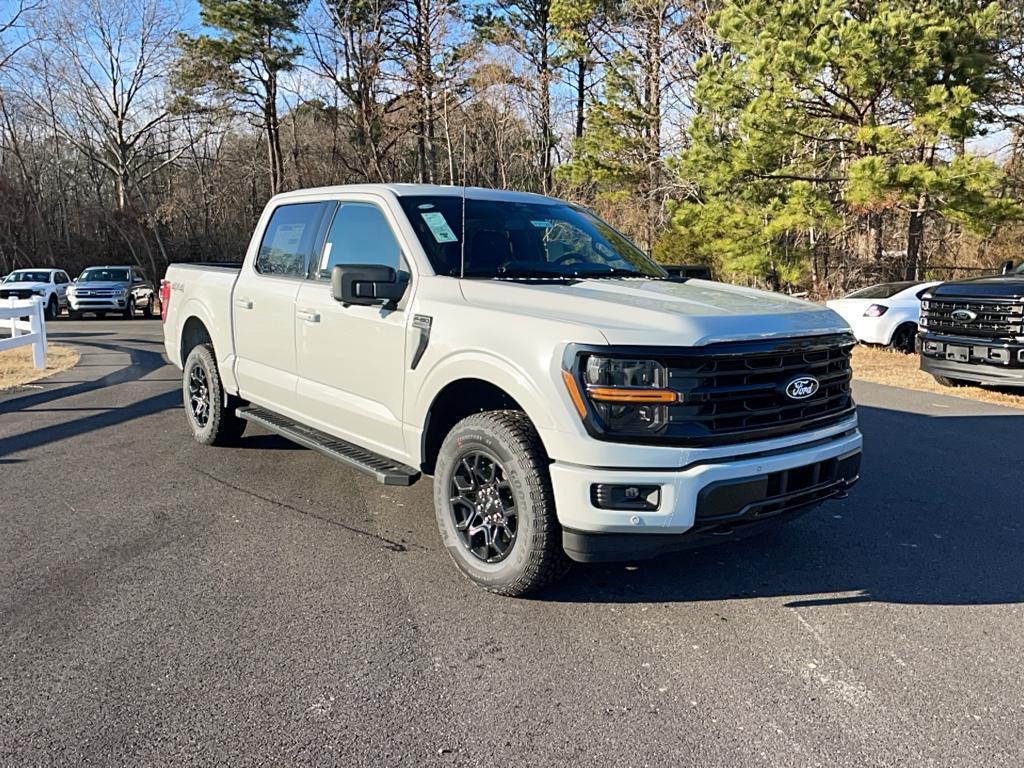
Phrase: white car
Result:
[886,313]
[50,284]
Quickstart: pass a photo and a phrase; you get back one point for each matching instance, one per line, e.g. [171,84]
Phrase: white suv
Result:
[49,284]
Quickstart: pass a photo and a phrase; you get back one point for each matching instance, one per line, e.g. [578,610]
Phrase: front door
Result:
[264,306]
[351,360]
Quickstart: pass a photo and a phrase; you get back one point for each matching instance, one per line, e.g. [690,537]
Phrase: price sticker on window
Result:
[439,227]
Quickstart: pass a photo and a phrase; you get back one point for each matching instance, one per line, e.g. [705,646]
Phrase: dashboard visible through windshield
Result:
[506,239]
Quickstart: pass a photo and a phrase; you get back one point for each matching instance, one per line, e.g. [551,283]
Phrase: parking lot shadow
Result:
[937,518]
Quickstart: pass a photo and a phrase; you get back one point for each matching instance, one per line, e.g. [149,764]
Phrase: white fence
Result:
[27,324]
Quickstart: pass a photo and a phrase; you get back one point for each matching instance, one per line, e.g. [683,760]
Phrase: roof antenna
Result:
[462,242]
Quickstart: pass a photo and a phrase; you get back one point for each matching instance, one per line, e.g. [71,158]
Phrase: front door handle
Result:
[243,303]
[308,315]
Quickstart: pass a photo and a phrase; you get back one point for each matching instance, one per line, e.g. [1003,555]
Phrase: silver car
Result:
[103,290]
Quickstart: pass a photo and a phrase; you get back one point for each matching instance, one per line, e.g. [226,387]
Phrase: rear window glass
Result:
[880,291]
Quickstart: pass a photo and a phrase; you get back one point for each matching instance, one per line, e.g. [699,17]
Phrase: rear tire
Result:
[210,413]
[945,381]
[492,478]
[904,338]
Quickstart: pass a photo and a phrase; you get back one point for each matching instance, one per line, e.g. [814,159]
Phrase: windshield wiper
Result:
[617,272]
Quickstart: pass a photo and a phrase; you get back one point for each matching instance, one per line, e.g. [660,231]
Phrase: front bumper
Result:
[712,495]
[983,361]
[112,304]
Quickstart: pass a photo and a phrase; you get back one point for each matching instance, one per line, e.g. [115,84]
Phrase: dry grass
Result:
[16,364]
[884,366]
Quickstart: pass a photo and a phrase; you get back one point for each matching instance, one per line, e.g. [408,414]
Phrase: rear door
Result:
[264,305]
[351,360]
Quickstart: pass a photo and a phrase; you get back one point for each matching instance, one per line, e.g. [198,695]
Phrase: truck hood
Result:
[659,312]
[994,286]
[100,285]
[23,286]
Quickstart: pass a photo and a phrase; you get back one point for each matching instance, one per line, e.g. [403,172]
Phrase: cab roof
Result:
[416,190]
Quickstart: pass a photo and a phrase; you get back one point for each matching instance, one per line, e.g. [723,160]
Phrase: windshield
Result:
[26,276]
[512,239]
[881,291]
[105,275]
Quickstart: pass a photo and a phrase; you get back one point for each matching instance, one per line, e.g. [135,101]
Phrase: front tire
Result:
[946,381]
[129,309]
[495,507]
[210,415]
[149,311]
[52,308]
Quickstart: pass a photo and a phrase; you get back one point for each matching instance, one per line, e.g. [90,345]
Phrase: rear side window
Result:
[880,291]
[359,234]
[288,240]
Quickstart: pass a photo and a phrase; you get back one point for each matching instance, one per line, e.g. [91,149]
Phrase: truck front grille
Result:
[737,391]
[974,318]
[15,294]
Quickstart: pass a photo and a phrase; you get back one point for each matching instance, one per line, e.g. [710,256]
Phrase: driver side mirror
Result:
[368,284]
[1007,267]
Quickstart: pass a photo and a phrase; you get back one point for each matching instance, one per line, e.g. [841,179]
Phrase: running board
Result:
[385,470]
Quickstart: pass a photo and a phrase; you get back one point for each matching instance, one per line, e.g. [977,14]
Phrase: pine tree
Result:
[252,44]
[819,118]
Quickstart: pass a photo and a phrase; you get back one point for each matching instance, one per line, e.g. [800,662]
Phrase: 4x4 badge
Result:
[802,387]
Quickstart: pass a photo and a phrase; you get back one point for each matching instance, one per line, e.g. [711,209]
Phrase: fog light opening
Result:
[627,497]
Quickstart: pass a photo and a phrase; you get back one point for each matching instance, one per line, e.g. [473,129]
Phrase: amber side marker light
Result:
[626,395]
[574,393]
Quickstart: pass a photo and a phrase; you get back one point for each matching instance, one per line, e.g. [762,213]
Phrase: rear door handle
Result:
[308,315]
[243,303]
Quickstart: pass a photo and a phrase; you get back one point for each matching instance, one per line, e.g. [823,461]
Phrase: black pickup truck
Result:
[973,330]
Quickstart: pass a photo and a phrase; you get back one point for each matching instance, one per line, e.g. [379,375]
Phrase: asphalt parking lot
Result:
[162,603]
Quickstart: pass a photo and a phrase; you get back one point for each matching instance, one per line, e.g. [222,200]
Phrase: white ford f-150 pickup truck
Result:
[569,398]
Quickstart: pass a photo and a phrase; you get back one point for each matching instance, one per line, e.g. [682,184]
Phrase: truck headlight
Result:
[39,291]
[627,395]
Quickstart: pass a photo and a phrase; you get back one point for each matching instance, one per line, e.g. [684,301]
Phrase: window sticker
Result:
[540,223]
[439,227]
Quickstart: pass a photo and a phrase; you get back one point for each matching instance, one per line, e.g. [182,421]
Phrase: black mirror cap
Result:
[368,284]
[1007,267]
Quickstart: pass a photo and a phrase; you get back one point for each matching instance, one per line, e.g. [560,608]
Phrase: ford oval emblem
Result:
[802,387]
[964,315]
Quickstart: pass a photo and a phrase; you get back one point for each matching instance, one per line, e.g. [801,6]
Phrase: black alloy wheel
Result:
[199,395]
[483,506]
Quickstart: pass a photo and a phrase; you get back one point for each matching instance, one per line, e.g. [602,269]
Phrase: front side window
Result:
[359,234]
[61,278]
[288,240]
[519,239]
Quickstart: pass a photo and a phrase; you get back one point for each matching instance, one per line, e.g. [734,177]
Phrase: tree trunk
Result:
[581,94]
[915,239]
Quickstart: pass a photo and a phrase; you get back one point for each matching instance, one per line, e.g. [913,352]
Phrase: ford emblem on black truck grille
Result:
[963,315]
[801,387]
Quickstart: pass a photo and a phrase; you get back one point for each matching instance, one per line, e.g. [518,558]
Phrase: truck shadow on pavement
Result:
[937,518]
